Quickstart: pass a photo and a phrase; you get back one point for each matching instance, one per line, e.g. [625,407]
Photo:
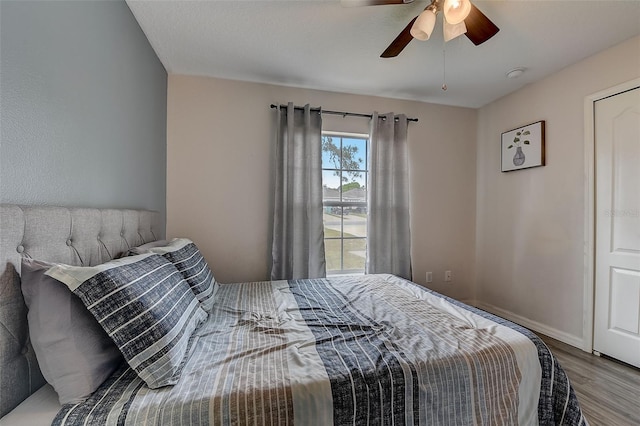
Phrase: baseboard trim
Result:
[470,302]
[562,336]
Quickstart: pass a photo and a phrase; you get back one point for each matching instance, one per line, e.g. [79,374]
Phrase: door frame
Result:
[590,206]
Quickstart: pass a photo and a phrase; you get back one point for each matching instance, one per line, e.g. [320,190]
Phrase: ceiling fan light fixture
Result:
[456,11]
[452,31]
[423,27]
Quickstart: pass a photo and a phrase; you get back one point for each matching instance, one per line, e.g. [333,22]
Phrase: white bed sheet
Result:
[39,409]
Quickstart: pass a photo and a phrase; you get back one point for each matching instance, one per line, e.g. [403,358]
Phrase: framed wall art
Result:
[523,148]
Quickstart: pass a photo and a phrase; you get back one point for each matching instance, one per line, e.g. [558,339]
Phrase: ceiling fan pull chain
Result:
[444,69]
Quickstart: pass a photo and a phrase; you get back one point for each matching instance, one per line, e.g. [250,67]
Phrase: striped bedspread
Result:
[372,350]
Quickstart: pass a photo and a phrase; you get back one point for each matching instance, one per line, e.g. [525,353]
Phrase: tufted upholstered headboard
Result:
[76,236]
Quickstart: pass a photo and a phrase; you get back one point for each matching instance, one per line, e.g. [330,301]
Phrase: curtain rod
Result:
[342,113]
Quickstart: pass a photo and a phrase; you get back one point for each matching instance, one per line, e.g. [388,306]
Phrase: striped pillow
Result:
[186,257]
[145,306]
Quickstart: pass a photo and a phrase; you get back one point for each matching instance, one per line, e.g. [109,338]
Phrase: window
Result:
[344,197]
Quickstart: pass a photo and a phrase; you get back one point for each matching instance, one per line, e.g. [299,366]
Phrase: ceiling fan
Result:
[460,17]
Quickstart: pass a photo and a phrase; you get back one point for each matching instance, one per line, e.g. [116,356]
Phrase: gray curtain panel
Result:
[298,234]
[388,235]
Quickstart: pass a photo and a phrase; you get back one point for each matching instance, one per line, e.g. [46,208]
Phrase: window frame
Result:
[348,204]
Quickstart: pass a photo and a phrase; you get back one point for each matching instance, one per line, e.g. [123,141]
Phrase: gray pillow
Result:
[74,352]
[145,306]
[186,257]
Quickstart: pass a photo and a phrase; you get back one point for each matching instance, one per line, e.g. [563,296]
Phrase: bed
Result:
[374,349]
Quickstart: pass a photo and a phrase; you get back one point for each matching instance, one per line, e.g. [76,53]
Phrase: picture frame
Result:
[523,147]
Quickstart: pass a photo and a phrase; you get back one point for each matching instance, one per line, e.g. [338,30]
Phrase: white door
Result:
[617,274]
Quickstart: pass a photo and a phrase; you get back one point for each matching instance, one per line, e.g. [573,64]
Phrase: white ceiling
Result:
[323,45]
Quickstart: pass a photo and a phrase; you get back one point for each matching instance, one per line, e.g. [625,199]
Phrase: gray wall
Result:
[82,107]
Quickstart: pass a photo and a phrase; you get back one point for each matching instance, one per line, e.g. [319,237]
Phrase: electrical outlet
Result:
[447,276]
[429,277]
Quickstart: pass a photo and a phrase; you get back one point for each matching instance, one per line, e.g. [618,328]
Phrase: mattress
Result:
[374,349]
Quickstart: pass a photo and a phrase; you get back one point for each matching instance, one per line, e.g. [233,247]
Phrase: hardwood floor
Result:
[608,391]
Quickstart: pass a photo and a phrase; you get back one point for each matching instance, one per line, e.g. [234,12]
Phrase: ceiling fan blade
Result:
[356,3]
[400,42]
[479,27]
